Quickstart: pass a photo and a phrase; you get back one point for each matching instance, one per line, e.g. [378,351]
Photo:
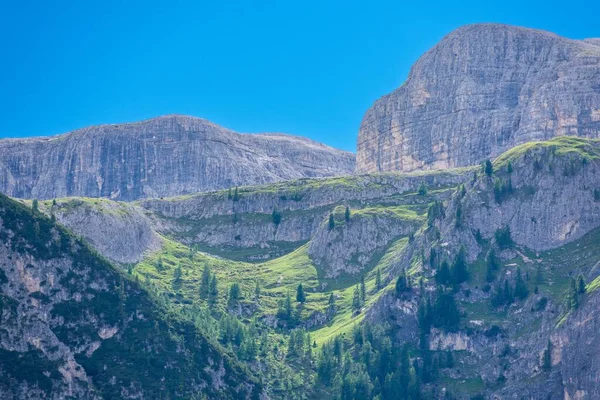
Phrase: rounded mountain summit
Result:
[164,156]
[481,90]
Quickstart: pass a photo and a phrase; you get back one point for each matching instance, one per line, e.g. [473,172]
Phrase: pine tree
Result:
[489,168]
[363,289]
[234,294]
[159,264]
[229,196]
[460,272]
[213,292]
[331,302]
[547,357]
[276,216]
[331,222]
[300,296]
[34,206]
[491,266]
[347,214]
[236,195]
[402,284]
[378,280]
[356,304]
[573,295]
[521,290]
[176,282]
[422,191]
[257,290]
[443,275]
[205,282]
[580,284]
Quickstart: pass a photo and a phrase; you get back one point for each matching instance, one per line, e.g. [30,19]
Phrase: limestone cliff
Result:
[480,91]
[164,156]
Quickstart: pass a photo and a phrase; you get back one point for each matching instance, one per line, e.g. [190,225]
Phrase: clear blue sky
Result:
[308,67]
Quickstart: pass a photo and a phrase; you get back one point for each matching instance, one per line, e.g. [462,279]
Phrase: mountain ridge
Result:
[163,156]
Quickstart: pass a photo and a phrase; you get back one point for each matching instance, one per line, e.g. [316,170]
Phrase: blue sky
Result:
[309,68]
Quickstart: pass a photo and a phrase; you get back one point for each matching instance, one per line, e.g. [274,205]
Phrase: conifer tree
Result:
[213,292]
[363,289]
[300,296]
[356,304]
[331,222]
[488,168]
[580,284]
[257,290]
[234,294]
[521,290]
[460,272]
[205,282]
[236,195]
[378,280]
[547,357]
[331,302]
[347,214]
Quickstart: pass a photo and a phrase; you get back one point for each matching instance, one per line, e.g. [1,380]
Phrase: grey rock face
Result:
[119,231]
[354,244]
[482,90]
[164,156]
[552,200]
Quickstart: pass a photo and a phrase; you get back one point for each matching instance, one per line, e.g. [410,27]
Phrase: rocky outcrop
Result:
[219,221]
[165,156]
[69,323]
[119,231]
[547,194]
[350,246]
[482,90]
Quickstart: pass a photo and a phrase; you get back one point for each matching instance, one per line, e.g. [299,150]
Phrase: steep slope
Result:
[480,91]
[72,326]
[164,156]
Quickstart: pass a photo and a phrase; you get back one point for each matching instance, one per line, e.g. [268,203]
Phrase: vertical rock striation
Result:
[164,156]
[480,91]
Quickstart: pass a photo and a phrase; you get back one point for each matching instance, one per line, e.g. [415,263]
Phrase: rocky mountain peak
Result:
[483,89]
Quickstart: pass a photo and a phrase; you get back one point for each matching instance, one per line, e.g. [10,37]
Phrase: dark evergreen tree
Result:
[213,292]
[300,295]
[236,195]
[176,282]
[521,290]
[445,312]
[422,191]
[356,304]
[491,266]
[205,282]
[580,284]
[257,290]
[547,357]
[488,168]
[331,222]
[378,284]
[347,214]
[460,272]
[35,206]
[276,217]
[402,285]
[443,275]
[363,289]
[234,295]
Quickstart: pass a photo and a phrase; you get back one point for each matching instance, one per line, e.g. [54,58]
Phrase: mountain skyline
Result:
[118,63]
